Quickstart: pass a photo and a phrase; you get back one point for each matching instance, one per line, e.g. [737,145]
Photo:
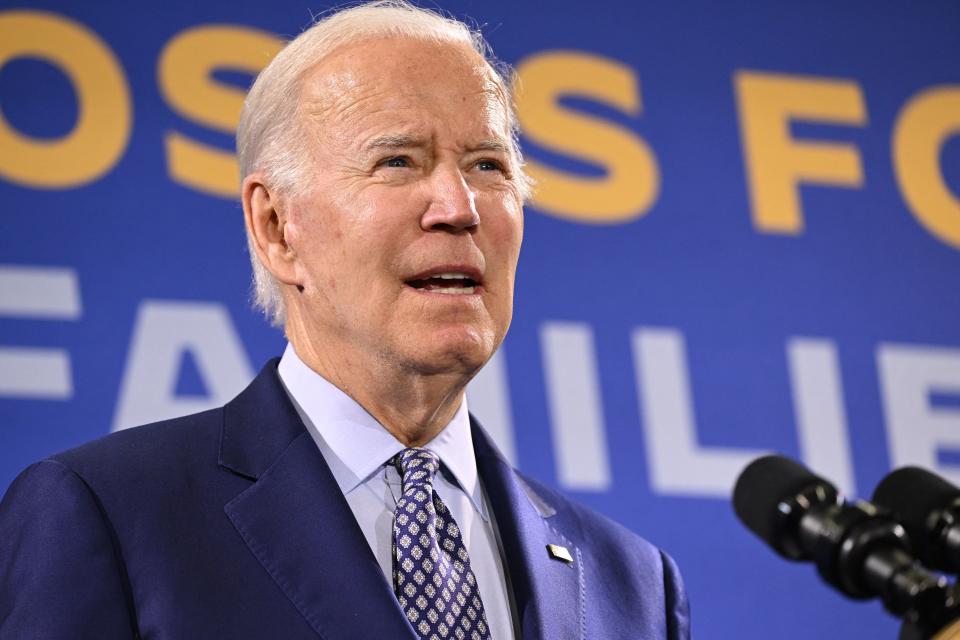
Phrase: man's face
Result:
[407,237]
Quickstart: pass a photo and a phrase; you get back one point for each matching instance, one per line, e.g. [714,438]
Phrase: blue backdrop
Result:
[746,238]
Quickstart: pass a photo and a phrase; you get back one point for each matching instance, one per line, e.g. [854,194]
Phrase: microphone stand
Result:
[933,618]
[950,633]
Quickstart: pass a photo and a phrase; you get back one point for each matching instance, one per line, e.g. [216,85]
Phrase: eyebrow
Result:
[396,141]
[404,141]
[492,145]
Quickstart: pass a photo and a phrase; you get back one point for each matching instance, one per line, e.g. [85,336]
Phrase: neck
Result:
[414,407]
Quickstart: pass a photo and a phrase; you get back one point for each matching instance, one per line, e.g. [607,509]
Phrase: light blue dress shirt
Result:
[357,449]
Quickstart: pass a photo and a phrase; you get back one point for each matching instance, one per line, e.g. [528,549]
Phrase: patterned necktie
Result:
[431,569]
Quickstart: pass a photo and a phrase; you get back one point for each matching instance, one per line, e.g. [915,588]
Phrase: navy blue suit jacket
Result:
[229,524]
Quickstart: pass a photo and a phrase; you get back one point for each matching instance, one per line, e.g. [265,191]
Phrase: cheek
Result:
[317,242]
[384,223]
[504,220]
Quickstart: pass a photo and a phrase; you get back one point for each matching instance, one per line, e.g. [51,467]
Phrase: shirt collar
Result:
[356,446]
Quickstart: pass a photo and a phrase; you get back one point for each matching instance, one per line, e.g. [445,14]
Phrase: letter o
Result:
[922,129]
[100,135]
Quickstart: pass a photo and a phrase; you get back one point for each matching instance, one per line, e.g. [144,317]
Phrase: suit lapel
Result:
[548,593]
[296,522]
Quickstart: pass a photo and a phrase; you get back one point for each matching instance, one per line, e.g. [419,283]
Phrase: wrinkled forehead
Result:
[378,78]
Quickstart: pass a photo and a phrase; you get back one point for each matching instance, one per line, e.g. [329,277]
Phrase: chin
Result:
[454,352]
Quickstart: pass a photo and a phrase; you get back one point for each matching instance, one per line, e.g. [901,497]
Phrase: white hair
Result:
[269,135]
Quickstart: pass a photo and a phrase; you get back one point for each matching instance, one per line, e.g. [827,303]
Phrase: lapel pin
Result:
[559,553]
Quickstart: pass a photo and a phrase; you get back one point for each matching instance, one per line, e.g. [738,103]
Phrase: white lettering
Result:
[39,292]
[677,464]
[489,398]
[915,429]
[46,293]
[164,330]
[818,404]
[573,394]
[35,373]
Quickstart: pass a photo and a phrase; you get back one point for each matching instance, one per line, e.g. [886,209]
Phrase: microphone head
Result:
[859,551]
[917,496]
[762,488]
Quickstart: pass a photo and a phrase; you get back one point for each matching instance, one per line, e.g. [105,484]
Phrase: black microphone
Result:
[858,549]
[929,508]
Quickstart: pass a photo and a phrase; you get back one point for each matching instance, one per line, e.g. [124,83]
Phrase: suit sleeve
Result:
[60,573]
[678,609]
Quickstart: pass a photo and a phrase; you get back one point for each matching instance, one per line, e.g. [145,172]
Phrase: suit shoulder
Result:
[137,450]
[59,564]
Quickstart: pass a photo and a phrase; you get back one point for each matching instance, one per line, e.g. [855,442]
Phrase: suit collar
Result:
[548,593]
[355,445]
[296,522]
[258,425]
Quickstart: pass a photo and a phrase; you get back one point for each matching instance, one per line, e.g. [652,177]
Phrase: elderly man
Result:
[346,493]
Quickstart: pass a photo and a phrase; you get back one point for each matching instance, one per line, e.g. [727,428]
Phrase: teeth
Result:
[454,275]
[454,290]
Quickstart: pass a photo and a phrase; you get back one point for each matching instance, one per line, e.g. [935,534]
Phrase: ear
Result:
[265,217]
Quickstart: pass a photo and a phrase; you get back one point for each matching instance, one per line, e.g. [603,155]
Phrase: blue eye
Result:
[397,162]
[489,165]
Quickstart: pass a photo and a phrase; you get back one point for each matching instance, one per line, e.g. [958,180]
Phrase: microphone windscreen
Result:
[913,494]
[762,485]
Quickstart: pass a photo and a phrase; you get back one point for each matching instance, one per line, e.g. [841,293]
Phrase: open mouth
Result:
[448,282]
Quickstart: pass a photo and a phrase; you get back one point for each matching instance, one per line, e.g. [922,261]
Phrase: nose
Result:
[453,206]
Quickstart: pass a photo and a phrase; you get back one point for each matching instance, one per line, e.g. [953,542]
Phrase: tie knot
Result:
[416,466]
